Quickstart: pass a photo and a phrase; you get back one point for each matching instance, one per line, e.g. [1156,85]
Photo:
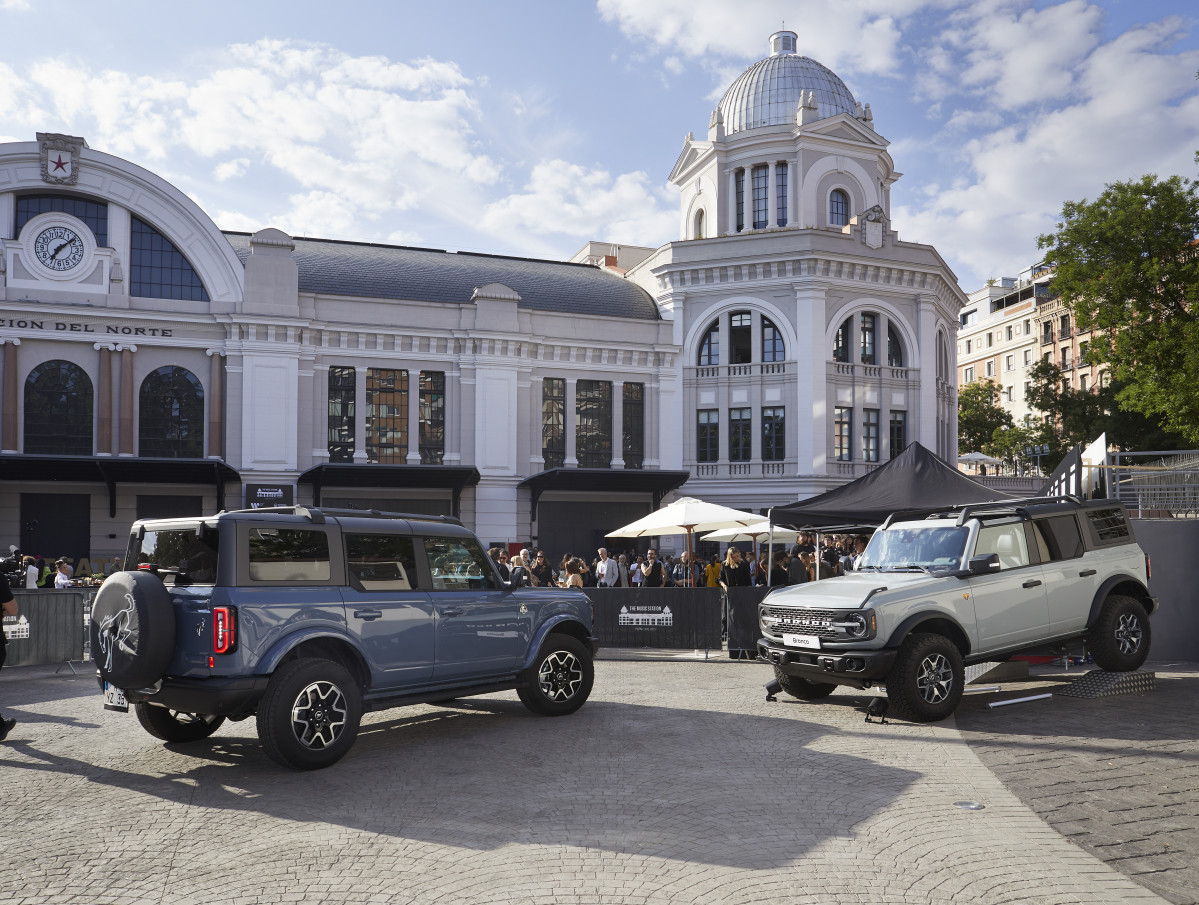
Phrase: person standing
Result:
[542,572]
[622,567]
[8,605]
[712,572]
[30,573]
[574,573]
[607,572]
[637,575]
[652,573]
[797,570]
[735,571]
[778,572]
[61,579]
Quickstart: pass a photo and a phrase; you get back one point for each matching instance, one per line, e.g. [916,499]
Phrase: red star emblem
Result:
[59,164]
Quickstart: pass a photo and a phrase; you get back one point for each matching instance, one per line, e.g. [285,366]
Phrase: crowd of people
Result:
[798,563]
[33,572]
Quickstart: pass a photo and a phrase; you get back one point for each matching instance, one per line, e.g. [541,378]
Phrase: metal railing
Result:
[1156,484]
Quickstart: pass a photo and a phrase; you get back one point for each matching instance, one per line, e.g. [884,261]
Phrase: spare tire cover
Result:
[132,629]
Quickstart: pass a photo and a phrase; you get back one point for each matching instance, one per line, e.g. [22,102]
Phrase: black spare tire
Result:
[132,629]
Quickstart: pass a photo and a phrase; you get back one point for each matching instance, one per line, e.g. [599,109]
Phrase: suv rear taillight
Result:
[224,630]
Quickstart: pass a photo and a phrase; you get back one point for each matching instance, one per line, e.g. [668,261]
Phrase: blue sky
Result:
[530,127]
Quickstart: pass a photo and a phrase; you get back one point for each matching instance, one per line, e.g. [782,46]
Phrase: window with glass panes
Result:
[553,422]
[838,208]
[593,423]
[92,213]
[633,425]
[774,443]
[841,341]
[709,348]
[741,343]
[780,176]
[899,432]
[894,348]
[740,435]
[739,178]
[868,331]
[157,269]
[341,414]
[761,197]
[386,416]
[170,415]
[432,417]
[870,425]
[772,342]
[707,435]
[58,410]
[843,434]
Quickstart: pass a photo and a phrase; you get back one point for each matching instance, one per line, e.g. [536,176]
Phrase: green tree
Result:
[1127,264]
[979,416]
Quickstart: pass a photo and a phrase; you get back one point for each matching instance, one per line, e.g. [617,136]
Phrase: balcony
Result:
[756,369]
[868,372]
[753,469]
[1047,338]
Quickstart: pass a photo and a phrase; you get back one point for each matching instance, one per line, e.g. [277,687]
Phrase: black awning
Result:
[114,470]
[600,480]
[448,477]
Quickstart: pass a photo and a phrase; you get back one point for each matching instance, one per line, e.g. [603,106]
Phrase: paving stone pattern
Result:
[1118,776]
[677,783]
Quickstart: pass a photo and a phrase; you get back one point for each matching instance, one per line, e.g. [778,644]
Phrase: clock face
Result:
[58,248]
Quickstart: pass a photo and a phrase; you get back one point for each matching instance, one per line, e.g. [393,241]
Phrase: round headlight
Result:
[855,624]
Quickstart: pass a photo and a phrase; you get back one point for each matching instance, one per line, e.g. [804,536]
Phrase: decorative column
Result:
[570,420]
[811,409]
[794,177]
[104,399]
[618,423]
[9,397]
[413,457]
[216,404]
[772,195]
[732,171]
[125,409]
[360,415]
[536,404]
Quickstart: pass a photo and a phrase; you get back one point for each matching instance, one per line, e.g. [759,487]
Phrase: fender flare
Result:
[904,629]
[1142,594]
[276,652]
[544,630]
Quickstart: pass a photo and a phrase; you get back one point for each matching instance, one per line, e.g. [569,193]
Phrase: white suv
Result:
[967,585]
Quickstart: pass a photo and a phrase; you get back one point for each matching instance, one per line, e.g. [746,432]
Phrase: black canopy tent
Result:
[915,480]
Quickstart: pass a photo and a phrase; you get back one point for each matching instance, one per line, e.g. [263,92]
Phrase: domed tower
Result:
[815,344]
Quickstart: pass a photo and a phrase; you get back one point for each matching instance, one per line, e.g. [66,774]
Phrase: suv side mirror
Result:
[984,564]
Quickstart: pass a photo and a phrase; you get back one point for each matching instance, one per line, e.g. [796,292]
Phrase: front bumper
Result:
[214,697]
[858,668]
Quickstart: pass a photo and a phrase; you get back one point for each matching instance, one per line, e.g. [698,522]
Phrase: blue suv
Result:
[306,618]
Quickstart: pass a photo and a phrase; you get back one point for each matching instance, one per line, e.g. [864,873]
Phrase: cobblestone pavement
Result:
[1119,776]
[676,783]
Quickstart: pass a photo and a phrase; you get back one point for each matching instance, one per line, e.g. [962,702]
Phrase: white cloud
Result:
[15,6]
[567,199]
[231,169]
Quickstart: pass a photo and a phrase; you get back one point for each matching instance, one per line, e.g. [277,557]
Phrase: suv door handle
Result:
[367,615]
[446,613]
[1032,583]
[1086,573]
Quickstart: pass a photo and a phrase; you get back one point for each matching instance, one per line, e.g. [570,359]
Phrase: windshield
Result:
[898,549]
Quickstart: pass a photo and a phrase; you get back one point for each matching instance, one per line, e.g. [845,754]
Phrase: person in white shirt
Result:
[607,573]
[61,578]
[30,574]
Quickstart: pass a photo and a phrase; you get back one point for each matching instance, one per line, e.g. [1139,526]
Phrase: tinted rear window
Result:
[1110,525]
[1059,537]
[381,562]
[192,551]
[288,554]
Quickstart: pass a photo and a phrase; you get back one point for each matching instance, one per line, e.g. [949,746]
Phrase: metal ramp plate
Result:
[1006,671]
[1099,683]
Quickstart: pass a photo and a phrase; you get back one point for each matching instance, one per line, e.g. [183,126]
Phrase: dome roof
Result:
[768,92]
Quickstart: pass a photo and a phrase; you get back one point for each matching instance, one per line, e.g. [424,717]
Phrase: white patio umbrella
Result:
[752,533]
[978,458]
[686,516]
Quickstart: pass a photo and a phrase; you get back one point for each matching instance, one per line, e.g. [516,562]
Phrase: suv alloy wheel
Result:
[1119,640]
[560,679]
[309,716]
[926,680]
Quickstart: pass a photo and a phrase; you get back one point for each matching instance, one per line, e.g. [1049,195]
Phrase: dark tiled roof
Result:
[423,274]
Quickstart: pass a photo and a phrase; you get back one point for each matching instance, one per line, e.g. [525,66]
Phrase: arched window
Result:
[709,349]
[841,341]
[838,208]
[741,341]
[58,410]
[772,342]
[699,224]
[171,415]
[158,270]
[93,213]
[942,358]
[894,348]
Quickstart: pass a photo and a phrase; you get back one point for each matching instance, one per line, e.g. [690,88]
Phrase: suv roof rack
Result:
[963,511]
[317,516]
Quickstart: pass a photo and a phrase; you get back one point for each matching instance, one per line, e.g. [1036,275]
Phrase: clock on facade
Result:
[58,248]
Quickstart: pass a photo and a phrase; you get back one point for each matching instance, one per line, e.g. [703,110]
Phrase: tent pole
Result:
[770,546]
[818,556]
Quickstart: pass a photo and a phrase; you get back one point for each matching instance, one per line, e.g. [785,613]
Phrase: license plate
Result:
[808,641]
[114,699]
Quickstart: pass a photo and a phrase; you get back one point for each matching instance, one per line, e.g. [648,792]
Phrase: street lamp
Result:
[1036,451]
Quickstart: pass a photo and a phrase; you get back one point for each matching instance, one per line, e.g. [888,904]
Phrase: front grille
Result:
[805,621]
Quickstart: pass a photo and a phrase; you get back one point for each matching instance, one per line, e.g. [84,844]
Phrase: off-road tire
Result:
[173,726]
[804,689]
[308,718]
[132,629]
[926,680]
[1119,639]
[560,679]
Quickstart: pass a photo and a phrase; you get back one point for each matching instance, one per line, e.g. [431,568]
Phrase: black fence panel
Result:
[673,618]
[48,629]
[743,621]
